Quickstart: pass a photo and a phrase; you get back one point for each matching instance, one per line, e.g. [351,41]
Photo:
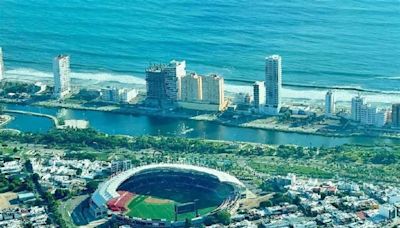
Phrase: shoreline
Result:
[8,119]
[185,116]
[308,97]
[292,92]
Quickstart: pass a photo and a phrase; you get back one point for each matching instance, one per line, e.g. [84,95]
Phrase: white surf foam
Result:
[35,75]
[28,74]
[319,94]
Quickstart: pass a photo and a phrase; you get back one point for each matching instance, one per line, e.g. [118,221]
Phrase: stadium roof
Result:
[108,189]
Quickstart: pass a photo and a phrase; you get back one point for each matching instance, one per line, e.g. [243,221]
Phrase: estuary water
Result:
[134,125]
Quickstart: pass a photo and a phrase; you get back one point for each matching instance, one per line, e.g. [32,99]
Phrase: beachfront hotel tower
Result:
[213,90]
[61,72]
[192,88]
[330,108]
[259,94]
[164,83]
[1,65]
[204,93]
[273,84]
[396,115]
[357,104]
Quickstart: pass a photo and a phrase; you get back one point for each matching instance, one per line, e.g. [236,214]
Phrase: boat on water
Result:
[183,129]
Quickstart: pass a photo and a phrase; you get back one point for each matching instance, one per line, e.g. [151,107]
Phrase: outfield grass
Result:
[138,207]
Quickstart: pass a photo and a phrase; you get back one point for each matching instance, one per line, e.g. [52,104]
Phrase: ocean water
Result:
[329,43]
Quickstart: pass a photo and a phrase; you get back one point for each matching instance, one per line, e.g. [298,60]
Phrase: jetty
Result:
[53,118]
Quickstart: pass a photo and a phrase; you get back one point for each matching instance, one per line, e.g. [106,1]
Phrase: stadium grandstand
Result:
[165,192]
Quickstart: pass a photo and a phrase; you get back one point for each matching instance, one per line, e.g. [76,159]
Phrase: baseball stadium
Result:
[168,193]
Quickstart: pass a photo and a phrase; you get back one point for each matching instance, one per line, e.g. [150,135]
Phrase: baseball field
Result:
[143,206]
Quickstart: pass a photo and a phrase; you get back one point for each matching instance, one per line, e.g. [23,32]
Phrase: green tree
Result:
[28,166]
[35,177]
[61,193]
[78,171]
[223,217]
[91,186]
[265,204]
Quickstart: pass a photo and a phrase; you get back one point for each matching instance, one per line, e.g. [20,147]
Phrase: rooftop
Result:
[62,56]
[160,67]
[273,57]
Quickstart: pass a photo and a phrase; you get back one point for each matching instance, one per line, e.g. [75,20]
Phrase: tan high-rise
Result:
[213,90]
[192,90]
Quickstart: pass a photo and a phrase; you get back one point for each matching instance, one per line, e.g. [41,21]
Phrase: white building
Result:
[127,95]
[273,84]
[174,71]
[61,71]
[394,198]
[118,95]
[41,87]
[330,108]
[120,165]
[259,94]
[11,167]
[368,114]
[192,90]
[356,105]
[388,211]
[76,124]
[1,65]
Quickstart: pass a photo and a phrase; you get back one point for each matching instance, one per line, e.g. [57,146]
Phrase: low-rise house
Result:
[26,197]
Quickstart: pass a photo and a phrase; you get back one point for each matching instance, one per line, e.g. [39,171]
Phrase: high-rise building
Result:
[329,104]
[396,115]
[213,90]
[61,71]
[356,105]
[202,93]
[192,90]
[259,94]
[368,114]
[1,65]
[174,72]
[273,84]
[381,118]
[163,82]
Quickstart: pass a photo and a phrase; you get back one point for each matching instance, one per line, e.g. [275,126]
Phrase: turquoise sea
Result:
[340,43]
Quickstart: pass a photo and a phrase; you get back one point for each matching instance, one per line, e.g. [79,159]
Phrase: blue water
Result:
[146,125]
[322,42]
